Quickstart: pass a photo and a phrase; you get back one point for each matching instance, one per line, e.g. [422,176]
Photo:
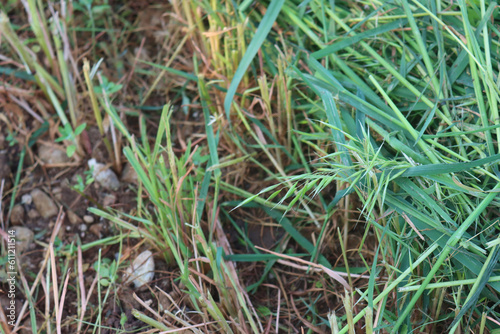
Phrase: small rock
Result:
[96,230]
[52,154]
[44,204]
[109,200]
[73,218]
[103,175]
[17,215]
[83,227]
[57,193]
[141,271]
[24,238]
[33,214]
[88,219]
[129,175]
[26,199]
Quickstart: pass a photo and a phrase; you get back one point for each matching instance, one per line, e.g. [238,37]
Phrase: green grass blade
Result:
[435,169]
[299,238]
[182,74]
[260,35]
[359,37]
[334,120]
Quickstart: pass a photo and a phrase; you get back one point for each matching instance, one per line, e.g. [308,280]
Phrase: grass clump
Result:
[399,106]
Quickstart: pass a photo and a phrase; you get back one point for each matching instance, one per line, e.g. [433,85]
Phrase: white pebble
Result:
[103,175]
[141,271]
[88,219]
[26,199]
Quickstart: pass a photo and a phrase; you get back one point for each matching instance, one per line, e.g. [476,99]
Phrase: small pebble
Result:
[83,227]
[33,214]
[24,238]
[52,154]
[129,175]
[88,219]
[17,215]
[109,200]
[26,199]
[96,230]
[73,218]
[103,175]
[57,193]
[141,271]
[44,204]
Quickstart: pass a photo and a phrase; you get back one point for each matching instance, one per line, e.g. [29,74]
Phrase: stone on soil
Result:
[73,218]
[129,175]
[96,230]
[33,214]
[103,175]
[52,154]
[109,200]
[24,238]
[17,215]
[44,204]
[26,199]
[57,193]
[141,271]
[88,219]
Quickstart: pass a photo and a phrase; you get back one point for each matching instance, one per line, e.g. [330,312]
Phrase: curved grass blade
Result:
[454,134]
[260,35]
[334,119]
[359,37]
[434,169]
